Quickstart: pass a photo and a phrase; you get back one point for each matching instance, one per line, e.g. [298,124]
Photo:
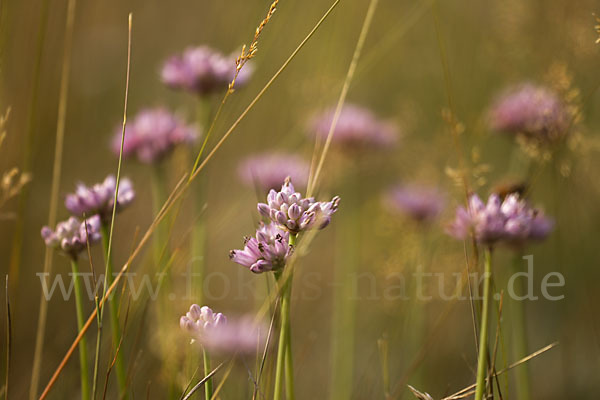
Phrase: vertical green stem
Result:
[347,260]
[83,366]
[208,386]
[483,331]
[518,322]
[198,242]
[285,365]
[158,197]
[113,306]
[289,361]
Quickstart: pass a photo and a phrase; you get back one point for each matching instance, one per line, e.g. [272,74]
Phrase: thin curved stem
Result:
[483,331]
[83,365]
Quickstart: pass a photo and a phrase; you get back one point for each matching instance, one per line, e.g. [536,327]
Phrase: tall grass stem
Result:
[56,172]
[113,305]
[112,223]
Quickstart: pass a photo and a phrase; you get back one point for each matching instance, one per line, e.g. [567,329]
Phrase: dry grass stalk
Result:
[253,48]
[12,181]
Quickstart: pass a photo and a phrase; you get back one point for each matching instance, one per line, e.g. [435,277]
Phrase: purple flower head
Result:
[71,236]
[524,223]
[420,203]
[534,111]
[152,134]
[99,198]
[356,128]
[201,319]
[222,336]
[511,221]
[203,71]
[268,170]
[267,251]
[294,213]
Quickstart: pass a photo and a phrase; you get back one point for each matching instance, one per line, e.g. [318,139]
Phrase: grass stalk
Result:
[17,238]
[108,246]
[518,322]
[483,331]
[113,305]
[56,172]
[83,364]
[313,178]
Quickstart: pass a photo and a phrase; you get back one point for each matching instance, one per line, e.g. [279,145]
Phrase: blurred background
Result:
[424,63]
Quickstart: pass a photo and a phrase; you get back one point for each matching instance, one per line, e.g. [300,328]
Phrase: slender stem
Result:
[208,386]
[346,267]
[518,322]
[279,368]
[83,365]
[483,331]
[198,242]
[113,306]
[158,198]
[56,172]
[284,351]
[289,361]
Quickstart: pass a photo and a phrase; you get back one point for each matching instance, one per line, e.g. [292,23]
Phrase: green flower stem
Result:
[113,306]
[289,361]
[83,366]
[158,197]
[347,260]
[198,238]
[518,322]
[198,243]
[208,386]
[285,365]
[483,331]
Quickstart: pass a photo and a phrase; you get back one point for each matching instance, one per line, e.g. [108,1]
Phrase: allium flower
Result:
[267,251]
[72,235]
[511,221]
[420,203]
[268,170]
[203,71]
[294,213]
[356,127]
[534,111]
[523,222]
[201,318]
[219,335]
[99,198]
[152,134]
